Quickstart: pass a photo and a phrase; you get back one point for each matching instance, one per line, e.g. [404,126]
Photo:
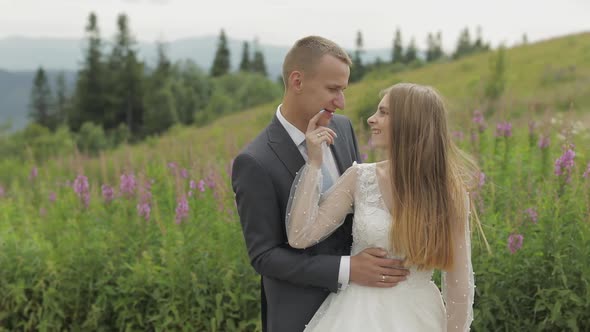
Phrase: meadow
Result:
[147,238]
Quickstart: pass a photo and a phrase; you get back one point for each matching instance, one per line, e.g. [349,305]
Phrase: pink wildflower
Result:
[107,193]
[128,184]
[515,242]
[81,188]
[532,214]
[181,209]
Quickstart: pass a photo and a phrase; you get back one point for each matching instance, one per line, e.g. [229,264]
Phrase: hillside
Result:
[552,76]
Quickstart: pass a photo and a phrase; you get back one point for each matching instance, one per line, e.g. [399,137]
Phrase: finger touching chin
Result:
[324,119]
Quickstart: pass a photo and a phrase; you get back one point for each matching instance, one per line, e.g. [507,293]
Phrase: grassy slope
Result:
[551,75]
[548,75]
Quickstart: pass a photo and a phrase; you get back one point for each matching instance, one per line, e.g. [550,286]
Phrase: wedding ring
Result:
[320,134]
[383,277]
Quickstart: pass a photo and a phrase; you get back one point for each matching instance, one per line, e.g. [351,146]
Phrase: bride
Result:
[415,204]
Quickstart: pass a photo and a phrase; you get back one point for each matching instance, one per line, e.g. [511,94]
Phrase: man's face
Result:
[323,88]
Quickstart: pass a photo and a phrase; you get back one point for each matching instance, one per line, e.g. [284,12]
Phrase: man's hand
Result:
[315,136]
[371,268]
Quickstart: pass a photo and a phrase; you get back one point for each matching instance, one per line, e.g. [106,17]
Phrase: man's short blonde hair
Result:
[307,51]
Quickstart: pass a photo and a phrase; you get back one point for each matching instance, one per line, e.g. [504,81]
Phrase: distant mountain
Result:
[15,90]
[20,57]
[27,54]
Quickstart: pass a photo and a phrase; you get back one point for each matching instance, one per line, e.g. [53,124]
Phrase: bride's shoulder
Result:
[363,165]
[361,168]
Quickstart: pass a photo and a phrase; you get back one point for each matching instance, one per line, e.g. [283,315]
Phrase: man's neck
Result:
[289,111]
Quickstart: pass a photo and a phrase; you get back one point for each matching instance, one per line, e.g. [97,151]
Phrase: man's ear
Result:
[296,81]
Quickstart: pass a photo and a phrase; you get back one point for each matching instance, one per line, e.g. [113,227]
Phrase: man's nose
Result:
[339,101]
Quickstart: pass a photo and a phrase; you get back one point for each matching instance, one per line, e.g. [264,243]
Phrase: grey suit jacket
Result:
[294,282]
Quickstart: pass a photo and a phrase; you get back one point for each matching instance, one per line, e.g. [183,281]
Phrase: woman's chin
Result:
[376,144]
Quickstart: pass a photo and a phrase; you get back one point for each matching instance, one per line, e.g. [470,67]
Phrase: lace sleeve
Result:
[311,216]
[458,283]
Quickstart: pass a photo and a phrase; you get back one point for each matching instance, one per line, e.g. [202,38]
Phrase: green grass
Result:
[67,267]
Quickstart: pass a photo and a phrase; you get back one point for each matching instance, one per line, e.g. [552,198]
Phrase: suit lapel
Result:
[283,146]
[288,153]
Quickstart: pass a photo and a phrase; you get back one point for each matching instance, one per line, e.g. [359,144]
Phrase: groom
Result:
[295,282]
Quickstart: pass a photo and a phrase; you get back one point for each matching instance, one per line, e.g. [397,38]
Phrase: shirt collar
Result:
[296,135]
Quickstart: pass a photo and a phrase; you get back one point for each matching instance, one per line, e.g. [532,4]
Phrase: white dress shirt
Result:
[298,137]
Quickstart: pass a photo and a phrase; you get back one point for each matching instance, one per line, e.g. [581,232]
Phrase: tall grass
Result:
[109,265]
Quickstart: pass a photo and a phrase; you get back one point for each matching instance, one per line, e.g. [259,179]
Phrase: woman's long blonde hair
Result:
[430,177]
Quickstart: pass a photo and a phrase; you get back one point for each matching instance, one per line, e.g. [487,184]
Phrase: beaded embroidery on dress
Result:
[415,304]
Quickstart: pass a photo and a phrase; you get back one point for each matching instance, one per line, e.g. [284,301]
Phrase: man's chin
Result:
[324,121]
[325,118]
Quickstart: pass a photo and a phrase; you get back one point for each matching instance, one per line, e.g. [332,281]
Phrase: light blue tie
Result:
[326,176]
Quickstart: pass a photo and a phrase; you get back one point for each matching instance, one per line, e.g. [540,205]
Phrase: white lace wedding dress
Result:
[414,304]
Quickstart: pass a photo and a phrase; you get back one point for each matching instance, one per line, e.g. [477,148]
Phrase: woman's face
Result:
[379,123]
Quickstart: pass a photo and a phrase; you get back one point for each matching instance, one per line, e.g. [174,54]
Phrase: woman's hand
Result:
[315,137]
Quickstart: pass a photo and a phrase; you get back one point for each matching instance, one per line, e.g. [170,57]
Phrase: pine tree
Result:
[163,64]
[91,85]
[161,112]
[464,45]
[61,111]
[245,64]
[398,49]
[126,81]
[438,51]
[258,64]
[221,63]
[160,104]
[41,103]
[478,44]
[430,47]
[357,70]
[411,52]
[434,47]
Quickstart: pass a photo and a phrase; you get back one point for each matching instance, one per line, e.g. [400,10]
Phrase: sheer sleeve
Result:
[312,216]
[458,283]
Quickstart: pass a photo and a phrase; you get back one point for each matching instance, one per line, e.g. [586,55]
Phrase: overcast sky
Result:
[281,22]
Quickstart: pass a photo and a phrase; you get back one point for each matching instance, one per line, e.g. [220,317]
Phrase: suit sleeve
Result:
[263,230]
